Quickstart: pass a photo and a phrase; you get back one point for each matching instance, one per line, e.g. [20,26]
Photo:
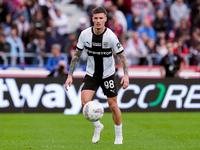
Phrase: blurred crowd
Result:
[142,26]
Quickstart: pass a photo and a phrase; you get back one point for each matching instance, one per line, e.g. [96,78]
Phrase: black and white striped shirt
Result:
[100,62]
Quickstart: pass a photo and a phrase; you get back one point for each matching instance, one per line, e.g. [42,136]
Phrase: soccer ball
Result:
[93,111]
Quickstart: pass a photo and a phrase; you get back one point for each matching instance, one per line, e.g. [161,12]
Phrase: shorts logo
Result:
[112,91]
[82,85]
[105,44]
[119,45]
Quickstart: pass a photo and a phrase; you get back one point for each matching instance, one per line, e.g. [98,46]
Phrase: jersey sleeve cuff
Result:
[79,48]
[120,52]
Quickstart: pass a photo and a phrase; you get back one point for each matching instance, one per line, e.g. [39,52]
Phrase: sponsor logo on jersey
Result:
[105,44]
[96,44]
[119,45]
[98,53]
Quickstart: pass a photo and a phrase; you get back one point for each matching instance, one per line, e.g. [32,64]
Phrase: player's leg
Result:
[86,96]
[116,114]
[110,89]
[89,88]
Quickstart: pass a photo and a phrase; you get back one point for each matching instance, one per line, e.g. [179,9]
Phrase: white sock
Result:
[96,123]
[118,130]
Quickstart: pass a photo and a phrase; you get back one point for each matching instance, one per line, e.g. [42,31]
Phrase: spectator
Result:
[146,7]
[135,50]
[171,63]
[88,3]
[17,5]
[159,5]
[123,5]
[148,29]
[179,10]
[32,6]
[51,36]
[4,11]
[161,49]
[60,71]
[197,47]
[116,27]
[193,51]
[37,47]
[52,62]
[195,37]
[120,17]
[23,27]
[51,9]
[1,28]
[17,47]
[180,47]
[70,47]
[160,24]
[60,22]
[4,47]
[183,31]
[89,9]
[47,7]
[195,11]
[82,26]
[150,46]
[145,38]
[134,20]
[38,23]
[19,9]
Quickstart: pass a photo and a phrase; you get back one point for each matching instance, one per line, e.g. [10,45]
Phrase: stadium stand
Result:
[39,19]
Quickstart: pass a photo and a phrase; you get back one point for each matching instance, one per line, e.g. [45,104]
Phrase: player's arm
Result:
[73,64]
[125,79]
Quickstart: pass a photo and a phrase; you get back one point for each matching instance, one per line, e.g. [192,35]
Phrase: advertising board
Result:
[142,95]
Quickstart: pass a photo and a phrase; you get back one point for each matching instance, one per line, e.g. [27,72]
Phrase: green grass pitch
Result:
[55,131]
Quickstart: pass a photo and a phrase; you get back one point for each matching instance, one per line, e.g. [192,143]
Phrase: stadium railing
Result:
[150,58]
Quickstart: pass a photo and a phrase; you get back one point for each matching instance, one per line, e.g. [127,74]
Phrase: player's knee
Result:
[113,106]
[84,102]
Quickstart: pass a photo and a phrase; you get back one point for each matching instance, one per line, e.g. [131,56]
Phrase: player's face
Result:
[99,20]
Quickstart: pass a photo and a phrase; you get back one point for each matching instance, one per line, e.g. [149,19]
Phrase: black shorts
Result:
[108,85]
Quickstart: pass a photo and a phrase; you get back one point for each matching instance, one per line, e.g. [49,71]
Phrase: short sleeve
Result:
[80,44]
[117,46]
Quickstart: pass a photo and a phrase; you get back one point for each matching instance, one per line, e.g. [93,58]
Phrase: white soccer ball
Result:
[93,111]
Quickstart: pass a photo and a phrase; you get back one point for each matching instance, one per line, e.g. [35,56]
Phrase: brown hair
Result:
[168,41]
[98,10]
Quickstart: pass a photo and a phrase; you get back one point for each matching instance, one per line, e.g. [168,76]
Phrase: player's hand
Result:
[125,81]
[68,82]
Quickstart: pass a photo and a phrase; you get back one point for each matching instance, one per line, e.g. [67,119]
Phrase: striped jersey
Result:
[100,62]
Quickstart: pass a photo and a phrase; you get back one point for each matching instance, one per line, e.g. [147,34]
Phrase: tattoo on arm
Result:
[74,61]
[124,62]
